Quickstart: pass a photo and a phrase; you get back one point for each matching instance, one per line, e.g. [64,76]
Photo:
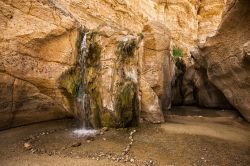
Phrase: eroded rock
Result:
[32,59]
[223,53]
[156,72]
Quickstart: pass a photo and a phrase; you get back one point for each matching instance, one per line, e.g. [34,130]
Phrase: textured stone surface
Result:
[112,82]
[38,44]
[190,22]
[156,72]
[224,54]
[209,18]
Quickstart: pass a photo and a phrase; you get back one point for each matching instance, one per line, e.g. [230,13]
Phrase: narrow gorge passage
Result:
[125,82]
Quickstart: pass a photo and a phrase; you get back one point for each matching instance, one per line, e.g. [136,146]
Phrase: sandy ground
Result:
[178,142]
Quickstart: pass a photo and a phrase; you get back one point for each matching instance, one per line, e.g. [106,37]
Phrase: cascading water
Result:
[82,97]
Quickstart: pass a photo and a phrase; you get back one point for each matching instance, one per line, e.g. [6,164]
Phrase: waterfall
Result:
[82,96]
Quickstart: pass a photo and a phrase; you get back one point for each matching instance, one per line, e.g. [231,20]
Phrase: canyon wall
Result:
[226,56]
[191,22]
[38,44]
[41,47]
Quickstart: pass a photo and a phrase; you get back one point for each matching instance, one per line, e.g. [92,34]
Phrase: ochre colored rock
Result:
[39,53]
[38,44]
[156,71]
[225,55]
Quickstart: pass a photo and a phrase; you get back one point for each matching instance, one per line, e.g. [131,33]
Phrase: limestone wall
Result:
[39,46]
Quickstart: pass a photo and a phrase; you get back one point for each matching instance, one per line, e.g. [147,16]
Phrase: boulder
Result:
[226,56]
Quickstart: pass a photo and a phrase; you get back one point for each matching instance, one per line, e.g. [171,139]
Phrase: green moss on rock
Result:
[70,81]
[107,119]
[91,79]
[126,48]
[94,53]
[127,105]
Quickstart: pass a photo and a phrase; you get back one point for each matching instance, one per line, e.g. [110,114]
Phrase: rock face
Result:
[209,18]
[59,56]
[191,22]
[111,79]
[157,69]
[181,19]
[40,68]
[38,44]
[226,56]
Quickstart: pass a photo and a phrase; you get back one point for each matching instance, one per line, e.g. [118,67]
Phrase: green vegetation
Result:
[126,48]
[177,52]
[141,36]
[107,118]
[127,105]
[92,80]
[70,81]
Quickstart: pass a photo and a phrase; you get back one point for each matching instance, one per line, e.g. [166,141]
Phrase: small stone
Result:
[91,138]
[77,157]
[33,151]
[43,151]
[101,133]
[104,139]
[27,146]
[132,160]
[76,144]
[88,141]
[105,129]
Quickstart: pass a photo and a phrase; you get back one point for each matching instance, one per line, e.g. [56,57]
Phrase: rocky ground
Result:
[179,142]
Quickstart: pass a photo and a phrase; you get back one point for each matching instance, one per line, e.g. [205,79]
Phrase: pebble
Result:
[91,138]
[32,150]
[76,144]
[27,146]
[105,129]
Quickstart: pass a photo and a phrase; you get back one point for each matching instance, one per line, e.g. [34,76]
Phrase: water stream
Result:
[82,97]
